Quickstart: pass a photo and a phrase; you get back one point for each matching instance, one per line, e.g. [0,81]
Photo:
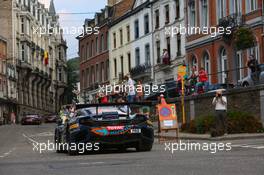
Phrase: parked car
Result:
[51,119]
[32,119]
[248,81]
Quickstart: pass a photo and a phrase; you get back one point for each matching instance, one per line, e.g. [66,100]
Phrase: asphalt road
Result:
[18,157]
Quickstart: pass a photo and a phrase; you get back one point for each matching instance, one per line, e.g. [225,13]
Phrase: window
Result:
[251,5]
[60,74]
[23,52]
[206,64]
[158,51]
[223,66]
[115,68]
[221,8]
[177,16]
[97,76]
[204,13]
[122,65]
[146,24]
[128,33]
[168,46]
[87,77]
[22,26]
[235,7]
[136,29]
[254,51]
[87,50]
[239,65]
[102,72]
[114,37]
[121,37]
[102,43]
[96,45]
[192,14]
[137,53]
[129,61]
[157,25]
[179,44]
[107,73]
[167,14]
[147,54]
[91,48]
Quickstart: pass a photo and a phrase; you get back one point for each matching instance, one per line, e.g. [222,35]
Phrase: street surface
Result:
[18,158]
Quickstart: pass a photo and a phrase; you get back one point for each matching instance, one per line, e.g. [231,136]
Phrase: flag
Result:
[46,58]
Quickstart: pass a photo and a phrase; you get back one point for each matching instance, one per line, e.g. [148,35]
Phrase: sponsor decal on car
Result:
[112,130]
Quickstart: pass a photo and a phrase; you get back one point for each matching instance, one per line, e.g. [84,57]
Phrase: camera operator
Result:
[220,103]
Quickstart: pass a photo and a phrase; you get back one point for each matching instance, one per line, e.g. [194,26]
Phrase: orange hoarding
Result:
[167,116]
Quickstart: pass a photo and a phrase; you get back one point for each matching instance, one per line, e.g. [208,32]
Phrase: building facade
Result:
[36,56]
[94,55]
[166,15]
[219,55]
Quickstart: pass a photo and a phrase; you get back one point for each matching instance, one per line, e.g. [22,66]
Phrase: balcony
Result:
[233,21]
[24,65]
[141,71]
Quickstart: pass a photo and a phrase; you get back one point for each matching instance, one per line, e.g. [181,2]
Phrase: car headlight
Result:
[74,126]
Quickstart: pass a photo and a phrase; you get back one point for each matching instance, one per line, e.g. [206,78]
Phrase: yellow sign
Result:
[182,70]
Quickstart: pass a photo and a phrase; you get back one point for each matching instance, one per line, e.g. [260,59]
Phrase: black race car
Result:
[103,126]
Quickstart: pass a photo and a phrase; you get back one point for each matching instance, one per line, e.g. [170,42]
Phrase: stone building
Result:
[37,53]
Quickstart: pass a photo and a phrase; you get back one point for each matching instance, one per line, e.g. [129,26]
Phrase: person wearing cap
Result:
[220,103]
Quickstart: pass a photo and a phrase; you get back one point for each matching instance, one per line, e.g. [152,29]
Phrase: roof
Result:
[52,10]
[122,8]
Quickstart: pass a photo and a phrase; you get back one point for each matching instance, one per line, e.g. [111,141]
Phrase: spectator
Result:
[203,79]
[140,91]
[193,80]
[220,103]
[253,65]
[131,91]
[165,57]
[104,99]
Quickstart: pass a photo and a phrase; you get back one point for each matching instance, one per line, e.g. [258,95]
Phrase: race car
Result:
[106,126]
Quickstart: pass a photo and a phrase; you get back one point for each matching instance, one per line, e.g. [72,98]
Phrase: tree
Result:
[73,78]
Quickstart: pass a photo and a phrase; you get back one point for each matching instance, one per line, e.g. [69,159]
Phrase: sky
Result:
[75,20]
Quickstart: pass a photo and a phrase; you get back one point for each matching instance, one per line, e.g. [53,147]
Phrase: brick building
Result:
[218,57]
[94,54]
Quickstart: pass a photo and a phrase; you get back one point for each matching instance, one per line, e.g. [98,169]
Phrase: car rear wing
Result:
[148,103]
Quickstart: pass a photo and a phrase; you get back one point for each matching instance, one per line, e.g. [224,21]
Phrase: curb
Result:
[222,138]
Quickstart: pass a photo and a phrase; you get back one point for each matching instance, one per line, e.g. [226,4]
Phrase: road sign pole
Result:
[183,108]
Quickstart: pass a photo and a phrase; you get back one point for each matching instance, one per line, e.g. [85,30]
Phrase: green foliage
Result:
[244,38]
[73,78]
[238,122]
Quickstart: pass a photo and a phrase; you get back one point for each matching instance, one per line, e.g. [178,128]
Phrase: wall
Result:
[249,100]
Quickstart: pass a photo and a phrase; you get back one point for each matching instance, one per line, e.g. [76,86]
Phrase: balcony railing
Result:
[143,69]
[233,20]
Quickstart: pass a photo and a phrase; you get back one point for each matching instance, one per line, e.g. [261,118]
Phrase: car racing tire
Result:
[144,147]
[59,148]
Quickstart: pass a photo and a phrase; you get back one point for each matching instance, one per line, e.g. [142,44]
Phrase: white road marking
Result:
[249,146]
[92,163]
[30,139]
[7,153]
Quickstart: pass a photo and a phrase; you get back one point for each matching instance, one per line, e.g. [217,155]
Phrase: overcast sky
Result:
[75,20]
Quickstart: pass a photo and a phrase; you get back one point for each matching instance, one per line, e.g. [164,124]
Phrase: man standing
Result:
[253,65]
[220,103]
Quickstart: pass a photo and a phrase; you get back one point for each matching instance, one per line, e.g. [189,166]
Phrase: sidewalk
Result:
[190,136]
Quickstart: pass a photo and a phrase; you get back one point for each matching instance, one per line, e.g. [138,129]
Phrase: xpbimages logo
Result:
[117,88]
[192,146]
[79,147]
